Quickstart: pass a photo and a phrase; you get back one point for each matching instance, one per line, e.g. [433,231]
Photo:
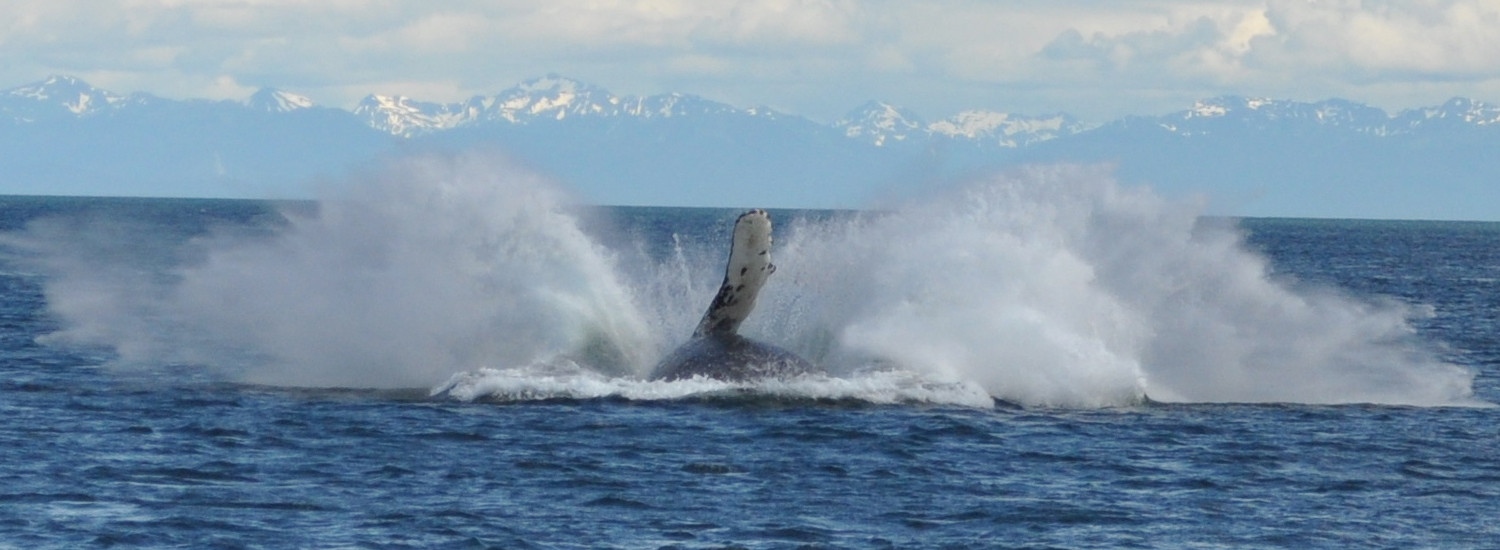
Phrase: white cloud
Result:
[817,57]
[1380,40]
[1384,52]
[763,23]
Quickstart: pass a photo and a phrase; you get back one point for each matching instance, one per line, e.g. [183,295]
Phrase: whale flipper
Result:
[716,349]
[749,267]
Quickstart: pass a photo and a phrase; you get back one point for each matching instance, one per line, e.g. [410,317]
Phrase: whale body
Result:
[716,349]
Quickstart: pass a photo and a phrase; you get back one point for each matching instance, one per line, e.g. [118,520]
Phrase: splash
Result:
[1057,286]
[428,266]
[567,380]
[1047,287]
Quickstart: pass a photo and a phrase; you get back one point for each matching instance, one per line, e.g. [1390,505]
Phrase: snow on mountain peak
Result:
[1224,105]
[970,124]
[1209,116]
[553,97]
[1208,109]
[54,86]
[1007,130]
[556,98]
[881,123]
[72,94]
[276,101]
[673,105]
[405,117]
[877,122]
[1478,113]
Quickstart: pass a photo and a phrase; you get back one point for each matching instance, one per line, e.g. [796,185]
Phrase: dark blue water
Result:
[179,454]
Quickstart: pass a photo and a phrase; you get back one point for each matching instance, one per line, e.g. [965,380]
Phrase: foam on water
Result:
[567,380]
[1049,287]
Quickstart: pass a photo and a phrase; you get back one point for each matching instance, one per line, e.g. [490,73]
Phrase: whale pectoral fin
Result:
[716,350]
[748,267]
[719,318]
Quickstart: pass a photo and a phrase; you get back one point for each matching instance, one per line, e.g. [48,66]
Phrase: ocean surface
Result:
[1047,361]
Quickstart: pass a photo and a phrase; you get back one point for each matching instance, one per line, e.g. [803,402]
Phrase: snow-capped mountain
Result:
[1006,130]
[1233,113]
[882,124]
[271,100]
[406,117]
[681,149]
[56,96]
[556,98]
[69,97]
[1455,112]
[551,98]
[879,123]
[680,105]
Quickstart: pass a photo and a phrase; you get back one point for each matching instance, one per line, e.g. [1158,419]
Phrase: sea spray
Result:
[1058,286]
[1050,286]
[410,272]
[979,284]
[675,290]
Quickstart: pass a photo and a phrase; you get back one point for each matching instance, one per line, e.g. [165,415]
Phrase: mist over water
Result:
[1051,286]
[430,266]
[1057,286]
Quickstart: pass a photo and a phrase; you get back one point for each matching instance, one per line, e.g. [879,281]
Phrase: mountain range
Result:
[1252,156]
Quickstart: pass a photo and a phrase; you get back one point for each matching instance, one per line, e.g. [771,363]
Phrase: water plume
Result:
[402,276]
[1047,286]
[1058,286]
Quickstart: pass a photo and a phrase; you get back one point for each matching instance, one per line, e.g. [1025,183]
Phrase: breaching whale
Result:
[716,349]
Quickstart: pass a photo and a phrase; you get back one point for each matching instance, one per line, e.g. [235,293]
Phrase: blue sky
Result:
[1096,59]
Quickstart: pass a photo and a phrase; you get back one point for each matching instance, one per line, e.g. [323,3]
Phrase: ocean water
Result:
[446,354]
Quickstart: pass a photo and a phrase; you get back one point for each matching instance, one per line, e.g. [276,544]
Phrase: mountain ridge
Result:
[557,98]
[1333,157]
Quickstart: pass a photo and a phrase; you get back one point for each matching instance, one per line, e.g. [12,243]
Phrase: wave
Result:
[1050,286]
[567,380]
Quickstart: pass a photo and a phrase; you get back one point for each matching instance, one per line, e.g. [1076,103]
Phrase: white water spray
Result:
[1049,287]
[1057,286]
[432,266]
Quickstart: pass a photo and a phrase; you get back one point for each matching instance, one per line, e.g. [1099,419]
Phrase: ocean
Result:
[450,355]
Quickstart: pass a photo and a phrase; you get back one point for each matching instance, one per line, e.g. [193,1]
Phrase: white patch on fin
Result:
[749,267]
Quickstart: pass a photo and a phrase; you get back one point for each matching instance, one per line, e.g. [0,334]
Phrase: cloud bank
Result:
[811,57]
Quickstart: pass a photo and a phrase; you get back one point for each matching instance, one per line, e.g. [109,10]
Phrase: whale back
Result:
[748,268]
[729,357]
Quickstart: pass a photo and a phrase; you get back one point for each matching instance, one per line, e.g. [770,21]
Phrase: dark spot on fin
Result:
[743,270]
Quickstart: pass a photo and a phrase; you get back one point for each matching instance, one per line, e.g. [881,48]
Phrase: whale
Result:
[716,349]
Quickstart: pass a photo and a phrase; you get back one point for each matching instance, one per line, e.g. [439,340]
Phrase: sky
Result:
[1096,59]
